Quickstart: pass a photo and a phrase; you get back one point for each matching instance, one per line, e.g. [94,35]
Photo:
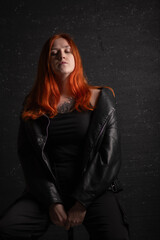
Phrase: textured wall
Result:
[119,44]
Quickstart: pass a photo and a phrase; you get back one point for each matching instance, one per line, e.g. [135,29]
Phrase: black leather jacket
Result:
[101,156]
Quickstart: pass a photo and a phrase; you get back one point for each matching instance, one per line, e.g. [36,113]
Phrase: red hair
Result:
[44,96]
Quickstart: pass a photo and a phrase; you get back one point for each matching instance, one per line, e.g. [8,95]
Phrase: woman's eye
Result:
[53,53]
[68,50]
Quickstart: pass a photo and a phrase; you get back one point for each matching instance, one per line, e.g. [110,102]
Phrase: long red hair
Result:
[44,95]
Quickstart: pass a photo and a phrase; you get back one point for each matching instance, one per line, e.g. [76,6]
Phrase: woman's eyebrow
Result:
[62,47]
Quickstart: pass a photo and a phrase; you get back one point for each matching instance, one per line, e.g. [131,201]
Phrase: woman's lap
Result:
[26,218]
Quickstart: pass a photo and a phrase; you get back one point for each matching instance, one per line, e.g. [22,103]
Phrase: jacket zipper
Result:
[43,151]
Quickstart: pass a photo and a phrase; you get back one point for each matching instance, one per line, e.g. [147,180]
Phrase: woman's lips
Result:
[62,64]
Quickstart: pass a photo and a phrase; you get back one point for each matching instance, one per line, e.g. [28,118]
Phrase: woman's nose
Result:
[61,55]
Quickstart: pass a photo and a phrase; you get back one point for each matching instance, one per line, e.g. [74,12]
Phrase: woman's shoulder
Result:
[95,90]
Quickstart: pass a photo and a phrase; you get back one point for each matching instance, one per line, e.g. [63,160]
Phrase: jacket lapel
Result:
[37,132]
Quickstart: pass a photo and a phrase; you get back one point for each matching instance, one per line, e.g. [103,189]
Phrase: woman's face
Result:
[62,59]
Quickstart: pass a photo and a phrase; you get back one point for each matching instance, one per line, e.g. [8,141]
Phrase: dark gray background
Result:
[119,44]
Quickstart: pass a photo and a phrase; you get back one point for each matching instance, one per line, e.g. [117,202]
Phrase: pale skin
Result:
[62,64]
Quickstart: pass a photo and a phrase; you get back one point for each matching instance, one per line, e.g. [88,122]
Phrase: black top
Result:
[66,134]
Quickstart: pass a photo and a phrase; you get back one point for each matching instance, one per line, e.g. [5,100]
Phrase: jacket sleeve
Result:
[103,168]
[38,180]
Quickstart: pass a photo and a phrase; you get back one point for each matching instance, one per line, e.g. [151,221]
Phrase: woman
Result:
[68,145]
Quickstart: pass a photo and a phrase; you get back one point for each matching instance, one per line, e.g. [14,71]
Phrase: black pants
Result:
[27,219]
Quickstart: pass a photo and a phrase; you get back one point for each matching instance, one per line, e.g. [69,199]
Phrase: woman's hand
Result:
[76,215]
[57,214]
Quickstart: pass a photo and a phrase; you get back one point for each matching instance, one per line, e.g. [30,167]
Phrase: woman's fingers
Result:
[58,215]
[76,215]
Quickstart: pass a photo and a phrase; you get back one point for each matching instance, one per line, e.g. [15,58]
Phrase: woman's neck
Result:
[63,87]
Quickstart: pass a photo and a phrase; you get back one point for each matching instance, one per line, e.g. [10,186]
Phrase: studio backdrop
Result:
[119,44]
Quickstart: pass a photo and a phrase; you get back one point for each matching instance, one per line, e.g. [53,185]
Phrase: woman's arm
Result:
[39,182]
[104,167]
